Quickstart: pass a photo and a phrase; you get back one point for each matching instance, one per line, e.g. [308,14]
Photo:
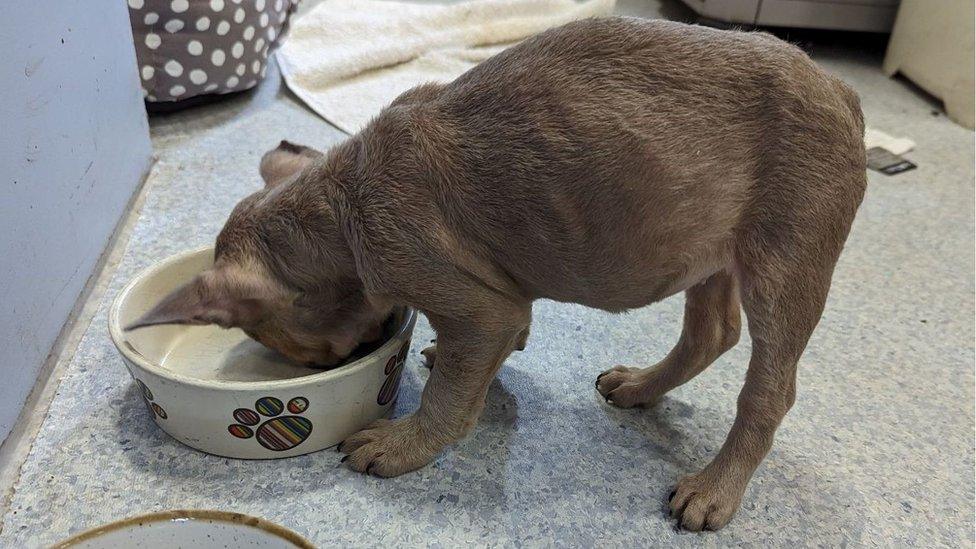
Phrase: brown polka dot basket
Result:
[188,48]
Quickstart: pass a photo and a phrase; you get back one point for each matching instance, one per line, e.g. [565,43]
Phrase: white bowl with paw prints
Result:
[220,392]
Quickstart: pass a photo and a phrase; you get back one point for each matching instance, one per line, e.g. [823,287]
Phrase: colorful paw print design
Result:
[154,409]
[394,367]
[278,433]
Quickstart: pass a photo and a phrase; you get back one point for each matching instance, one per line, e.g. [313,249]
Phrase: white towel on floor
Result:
[347,59]
[895,145]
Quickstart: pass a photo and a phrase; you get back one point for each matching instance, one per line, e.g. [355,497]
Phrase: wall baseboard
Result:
[16,447]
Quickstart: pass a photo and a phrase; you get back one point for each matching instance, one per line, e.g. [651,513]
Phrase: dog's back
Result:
[613,162]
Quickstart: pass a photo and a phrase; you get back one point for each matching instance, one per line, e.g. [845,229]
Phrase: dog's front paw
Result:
[388,448]
[700,502]
[627,387]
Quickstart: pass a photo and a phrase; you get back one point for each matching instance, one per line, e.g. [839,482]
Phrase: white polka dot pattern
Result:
[173,67]
[173,26]
[183,46]
[198,77]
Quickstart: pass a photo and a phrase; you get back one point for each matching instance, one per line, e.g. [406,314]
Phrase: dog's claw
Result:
[597,382]
[671,497]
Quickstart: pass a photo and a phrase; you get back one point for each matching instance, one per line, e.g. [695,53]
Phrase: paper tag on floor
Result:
[886,162]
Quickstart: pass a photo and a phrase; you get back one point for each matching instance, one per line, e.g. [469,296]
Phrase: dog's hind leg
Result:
[785,269]
[782,307]
[711,327]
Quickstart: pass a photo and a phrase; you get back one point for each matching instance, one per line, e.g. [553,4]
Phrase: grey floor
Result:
[878,449]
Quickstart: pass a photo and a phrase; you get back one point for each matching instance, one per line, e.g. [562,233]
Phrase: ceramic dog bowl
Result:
[199,529]
[221,392]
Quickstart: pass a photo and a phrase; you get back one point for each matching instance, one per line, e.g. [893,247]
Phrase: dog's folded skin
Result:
[611,163]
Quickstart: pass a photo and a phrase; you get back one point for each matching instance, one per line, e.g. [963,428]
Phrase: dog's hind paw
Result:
[387,448]
[626,387]
[700,503]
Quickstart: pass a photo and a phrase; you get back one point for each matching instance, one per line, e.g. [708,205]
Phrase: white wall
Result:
[74,145]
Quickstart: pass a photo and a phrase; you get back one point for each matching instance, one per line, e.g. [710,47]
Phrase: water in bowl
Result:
[210,352]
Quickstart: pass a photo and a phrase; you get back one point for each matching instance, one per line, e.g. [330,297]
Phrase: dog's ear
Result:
[213,297]
[283,162]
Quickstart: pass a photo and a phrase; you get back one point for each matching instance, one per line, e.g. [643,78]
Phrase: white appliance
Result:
[850,15]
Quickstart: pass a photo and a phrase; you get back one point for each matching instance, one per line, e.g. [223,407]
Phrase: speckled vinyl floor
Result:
[878,449]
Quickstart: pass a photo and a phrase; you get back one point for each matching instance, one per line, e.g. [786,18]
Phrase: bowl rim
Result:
[231,517]
[129,353]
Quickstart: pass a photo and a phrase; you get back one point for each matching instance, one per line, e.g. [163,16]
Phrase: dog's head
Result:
[282,271]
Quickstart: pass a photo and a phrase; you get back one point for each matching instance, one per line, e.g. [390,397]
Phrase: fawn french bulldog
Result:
[609,162]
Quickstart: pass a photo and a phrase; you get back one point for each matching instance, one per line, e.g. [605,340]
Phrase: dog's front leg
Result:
[469,354]
[430,353]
